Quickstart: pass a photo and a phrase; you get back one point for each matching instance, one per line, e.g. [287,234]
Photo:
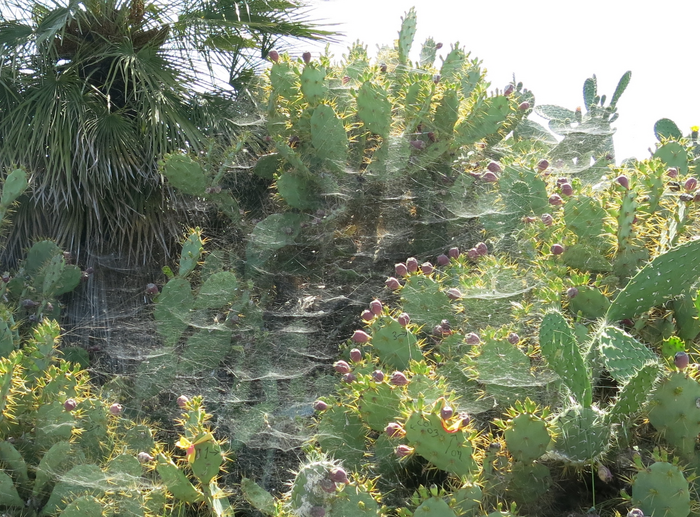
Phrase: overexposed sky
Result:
[552,47]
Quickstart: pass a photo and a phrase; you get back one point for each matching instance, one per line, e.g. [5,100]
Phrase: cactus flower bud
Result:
[489,177]
[400,269]
[144,457]
[624,181]
[367,315]
[417,144]
[443,260]
[29,304]
[151,289]
[320,405]
[508,90]
[412,264]
[454,294]
[376,307]
[394,430]
[690,184]
[472,339]
[70,404]
[437,330]
[482,249]
[115,409]
[542,165]
[635,512]
[604,473]
[571,292]
[524,106]
[346,79]
[403,319]
[274,56]
[338,475]
[398,379]
[349,378]
[445,324]
[557,249]
[464,419]
[446,412]
[341,366]
[453,253]
[403,450]
[672,172]
[378,376]
[426,268]
[472,254]
[392,283]
[383,68]
[513,338]
[6,277]
[306,56]
[547,219]
[561,181]
[494,167]
[555,200]
[566,189]
[432,137]
[355,355]
[360,336]
[686,197]
[681,360]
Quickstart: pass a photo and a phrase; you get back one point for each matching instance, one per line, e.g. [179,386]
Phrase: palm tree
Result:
[94,92]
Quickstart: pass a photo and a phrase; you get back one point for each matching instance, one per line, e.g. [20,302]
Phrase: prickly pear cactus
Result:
[526,433]
[675,411]
[661,489]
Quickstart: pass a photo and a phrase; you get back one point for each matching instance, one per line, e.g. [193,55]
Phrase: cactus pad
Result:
[434,507]
[622,355]
[374,108]
[582,435]
[395,345]
[313,84]
[185,174]
[585,217]
[284,80]
[661,489]
[328,134]
[634,393]
[528,482]
[172,312]
[675,411]
[424,301]
[13,187]
[378,405]
[527,437]
[673,154]
[590,302]
[406,35]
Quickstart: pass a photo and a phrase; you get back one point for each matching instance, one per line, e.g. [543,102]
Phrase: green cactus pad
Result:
[208,460]
[675,411]
[218,502]
[7,338]
[307,491]
[622,355]
[176,481]
[467,499]
[629,260]
[313,85]
[528,483]
[374,108]
[85,506]
[661,489]
[185,174]
[391,159]
[585,217]
[14,464]
[342,434]
[527,437]
[172,311]
[78,481]
[353,501]
[424,301]
[428,53]
[484,121]
[453,63]
[38,255]
[582,435]
[434,507]
[378,405]
[13,187]
[395,345]
[665,129]
[560,349]
[8,492]
[217,291]
[328,135]
[257,496]
[139,438]
[284,80]
[271,234]
[673,154]
[59,459]
[267,166]
[298,190]
[666,276]
[586,258]
[447,113]
[191,253]
[449,451]
[53,423]
[205,350]
[687,316]
[634,393]
[406,35]
[124,470]
[488,367]
[590,302]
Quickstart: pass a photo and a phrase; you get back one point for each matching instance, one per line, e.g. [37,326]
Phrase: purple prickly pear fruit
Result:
[341,366]
[376,307]
[426,268]
[349,378]
[182,401]
[346,79]
[383,68]
[392,283]
[472,339]
[446,412]
[690,184]
[378,376]
[443,260]
[90,270]
[555,200]
[624,181]
[528,219]
[489,177]
[403,319]
[453,253]
[542,165]
[360,336]
[557,249]
[432,137]
[417,144]
[338,475]
[571,292]
[402,451]
[394,430]
[513,338]
[306,56]
[445,324]
[398,379]
[672,172]
[70,404]
[274,56]
[508,90]
[604,473]
[464,419]
[453,293]
[367,315]
[6,277]
[320,405]
[438,46]
[494,167]
[635,512]
[561,181]
[686,197]
[355,355]
[115,409]
[400,269]
[317,511]
[681,360]
[472,254]
[524,106]
[436,78]
[437,330]
[547,219]
[327,485]
[566,189]
[29,304]
[151,289]
[412,264]
[144,457]
[482,249]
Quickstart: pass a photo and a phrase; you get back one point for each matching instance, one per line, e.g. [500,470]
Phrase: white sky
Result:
[552,46]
